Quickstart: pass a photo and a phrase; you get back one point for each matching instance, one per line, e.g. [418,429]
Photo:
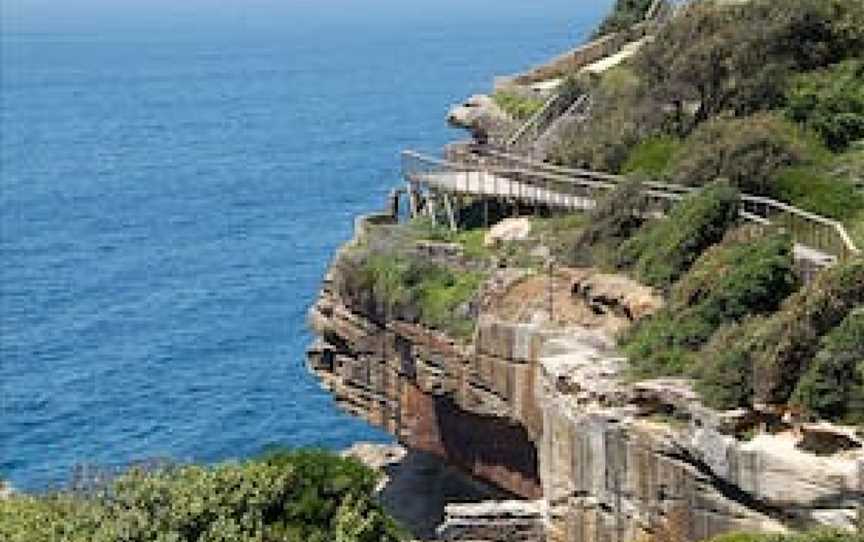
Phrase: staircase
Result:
[559,111]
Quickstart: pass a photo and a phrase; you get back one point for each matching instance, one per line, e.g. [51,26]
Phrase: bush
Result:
[390,282]
[662,251]
[651,156]
[738,56]
[518,107]
[830,102]
[747,151]
[614,220]
[738,278]
[813,189]
[833,385]
[620,119]
[288,497]
[825,535]
[789,340]
[724,373]
[625,13]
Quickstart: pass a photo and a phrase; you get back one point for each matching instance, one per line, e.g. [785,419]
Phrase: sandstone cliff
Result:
[546,413]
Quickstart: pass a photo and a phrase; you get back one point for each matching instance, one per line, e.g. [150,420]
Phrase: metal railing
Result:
[486,171]
[532,128]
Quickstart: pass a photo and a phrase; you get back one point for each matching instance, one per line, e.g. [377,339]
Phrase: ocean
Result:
[173,183]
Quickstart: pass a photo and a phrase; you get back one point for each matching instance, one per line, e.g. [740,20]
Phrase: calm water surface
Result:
[172,191]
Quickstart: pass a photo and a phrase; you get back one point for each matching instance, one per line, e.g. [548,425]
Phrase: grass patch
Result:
[472,240]
[416,290]
[652,156]
[443,296]
[518,107]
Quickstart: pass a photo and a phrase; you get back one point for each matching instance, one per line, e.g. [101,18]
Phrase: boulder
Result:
[617,294]
[508,230]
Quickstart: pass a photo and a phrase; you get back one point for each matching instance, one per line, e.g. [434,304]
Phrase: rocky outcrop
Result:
[482,117]
[546,413]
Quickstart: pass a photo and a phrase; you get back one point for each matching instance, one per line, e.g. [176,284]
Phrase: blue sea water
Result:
[173,186]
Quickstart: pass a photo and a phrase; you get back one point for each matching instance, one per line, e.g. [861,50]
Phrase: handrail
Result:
[803,224]
[540,121]
[533,120]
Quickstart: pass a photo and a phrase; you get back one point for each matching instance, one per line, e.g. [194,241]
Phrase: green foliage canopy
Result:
[746,151]
[285,497]
[624,14]
[833,385]
[830,102]
[738,278]
[662,251]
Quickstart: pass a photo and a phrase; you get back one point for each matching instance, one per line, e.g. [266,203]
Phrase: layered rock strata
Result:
[546,413]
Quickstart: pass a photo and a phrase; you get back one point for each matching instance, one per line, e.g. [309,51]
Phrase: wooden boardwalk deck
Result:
[491,184]
[819,241]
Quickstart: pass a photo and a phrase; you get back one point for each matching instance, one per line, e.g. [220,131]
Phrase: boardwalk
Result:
[484,183]
[496,175]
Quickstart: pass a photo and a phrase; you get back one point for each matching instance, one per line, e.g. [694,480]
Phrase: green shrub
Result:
[558,233]
[814,189]
[518,107]
[738,56]
[833,385]
[614,220]
[791,338]
[288,497]
[620,119]
[662,251]
[824,535]
[624,14]
[747,151]
[399,285]
[795,349]
[651,156]
[830,102]
[724,372]
[738,278]
[443,295]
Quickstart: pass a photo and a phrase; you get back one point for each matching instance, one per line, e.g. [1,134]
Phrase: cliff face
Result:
[546,414]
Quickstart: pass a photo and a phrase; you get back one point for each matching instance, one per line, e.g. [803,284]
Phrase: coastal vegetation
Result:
[766,96]
[302,496]
[738,278]
[517,106]
[624,14]
[661,251]
[390,279]
[827,535]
